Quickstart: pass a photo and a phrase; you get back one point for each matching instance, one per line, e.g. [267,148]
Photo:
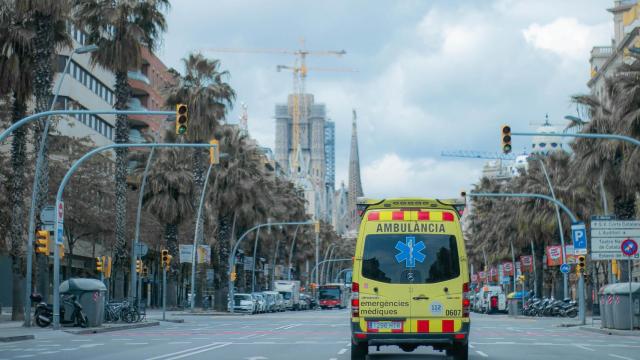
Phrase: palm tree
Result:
[234,195]
[49,20]
[16,80]
[168,196]
[120,28]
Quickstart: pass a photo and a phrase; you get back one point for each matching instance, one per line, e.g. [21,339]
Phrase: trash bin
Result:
[602,300]
[622,317]
[607,319]
[90,293]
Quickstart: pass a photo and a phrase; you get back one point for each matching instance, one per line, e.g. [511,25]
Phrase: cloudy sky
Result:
[432,75]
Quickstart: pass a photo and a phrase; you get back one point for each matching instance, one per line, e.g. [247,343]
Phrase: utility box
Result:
[607,317]
[621,314]
[90,293]
[602,301]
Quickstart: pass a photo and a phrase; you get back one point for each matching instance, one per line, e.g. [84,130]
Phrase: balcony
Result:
[135,104]
[139,76]
[601,51]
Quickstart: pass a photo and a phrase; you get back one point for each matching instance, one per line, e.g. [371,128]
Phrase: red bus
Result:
[334,296]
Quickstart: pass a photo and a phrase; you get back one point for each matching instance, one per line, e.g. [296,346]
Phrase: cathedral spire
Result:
[355,184]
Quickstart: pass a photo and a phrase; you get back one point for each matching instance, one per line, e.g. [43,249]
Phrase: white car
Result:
[244,303]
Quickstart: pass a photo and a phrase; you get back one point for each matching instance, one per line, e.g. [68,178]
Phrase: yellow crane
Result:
[299,70]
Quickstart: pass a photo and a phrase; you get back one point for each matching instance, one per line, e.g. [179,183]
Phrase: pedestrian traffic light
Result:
[182,119]
[138,266]
[214,152]
[99,265]
[42,242]
[580,266]
[506,139]
[234,276]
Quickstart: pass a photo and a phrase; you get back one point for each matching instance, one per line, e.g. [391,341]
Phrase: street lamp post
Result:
[35,189]
[58,223]
[293,244]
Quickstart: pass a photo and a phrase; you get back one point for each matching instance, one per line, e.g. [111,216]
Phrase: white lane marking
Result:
[342,351]
[47,345]
[186,350]
[199,351]
[481,353]
[179,342]
[620,357]
[138,343]
[583,347]
[471,346]
[333,359]
[70,349]
[24,356]
[80,340]
[505,343]
[50,352]
[90,345]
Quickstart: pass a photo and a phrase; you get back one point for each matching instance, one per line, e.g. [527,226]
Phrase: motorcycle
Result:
[44,312]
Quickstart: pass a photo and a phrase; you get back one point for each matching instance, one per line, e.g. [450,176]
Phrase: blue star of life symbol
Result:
[410,252]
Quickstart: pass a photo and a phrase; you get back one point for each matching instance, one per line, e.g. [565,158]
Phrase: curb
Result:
[177,321]
[610,331]
[16,338]
[113,328]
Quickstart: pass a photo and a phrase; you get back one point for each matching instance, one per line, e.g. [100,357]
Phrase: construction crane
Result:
[299,108]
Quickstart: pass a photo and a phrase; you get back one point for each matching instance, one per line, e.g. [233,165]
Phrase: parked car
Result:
[270,301]
[244,303]
[278,300]
[303,304]
[493,299]
[261,303]
[307,301]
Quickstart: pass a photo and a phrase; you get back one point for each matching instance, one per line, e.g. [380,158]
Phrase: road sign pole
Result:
[630,297]
[164,291]
[581,305]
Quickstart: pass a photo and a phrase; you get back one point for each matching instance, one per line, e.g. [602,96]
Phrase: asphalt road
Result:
[311,335]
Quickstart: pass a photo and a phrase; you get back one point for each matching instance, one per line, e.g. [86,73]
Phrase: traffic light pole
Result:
[315,268]
[164,292]
[232,255]
[59,224]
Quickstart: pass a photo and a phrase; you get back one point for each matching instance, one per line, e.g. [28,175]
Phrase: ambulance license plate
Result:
[385,325]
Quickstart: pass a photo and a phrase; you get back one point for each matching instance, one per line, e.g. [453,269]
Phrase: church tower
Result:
[355,184]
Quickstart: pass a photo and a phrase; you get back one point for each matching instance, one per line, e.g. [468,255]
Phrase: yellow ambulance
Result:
[410,282]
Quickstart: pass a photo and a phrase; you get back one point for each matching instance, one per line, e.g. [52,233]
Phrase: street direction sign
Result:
[629,247]
[60,238]
[565,268]
[607,237]
[579,235]
[141,249]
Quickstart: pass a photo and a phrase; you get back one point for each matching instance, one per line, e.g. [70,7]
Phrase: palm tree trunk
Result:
[18,156]
[43,80]
[171,237]
[224,238]
[122,136]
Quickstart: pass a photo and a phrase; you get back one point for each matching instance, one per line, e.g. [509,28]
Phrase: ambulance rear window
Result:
[407,259]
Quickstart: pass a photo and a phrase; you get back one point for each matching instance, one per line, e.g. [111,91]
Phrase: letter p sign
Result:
[579,235]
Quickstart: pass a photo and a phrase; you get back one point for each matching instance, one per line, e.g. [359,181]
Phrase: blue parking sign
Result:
[579,236]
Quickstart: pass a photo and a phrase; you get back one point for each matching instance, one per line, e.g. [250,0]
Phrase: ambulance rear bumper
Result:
[358,336]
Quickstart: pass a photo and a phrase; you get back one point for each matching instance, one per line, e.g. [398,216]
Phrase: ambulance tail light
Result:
[355,299]
[466,300]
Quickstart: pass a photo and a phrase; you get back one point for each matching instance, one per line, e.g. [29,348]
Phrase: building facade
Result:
[330,160]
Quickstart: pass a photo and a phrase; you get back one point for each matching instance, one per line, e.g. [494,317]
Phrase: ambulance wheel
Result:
[359,351]
[459,351]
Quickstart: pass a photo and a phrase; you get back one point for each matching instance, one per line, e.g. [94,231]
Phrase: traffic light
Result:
[182,119]
[214,152]
[234,276]
[317,227]
[580,266]
[506,139]
[99,264]
[61,251]
[615,269]
[42,242]
[165,258]
[138,266]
